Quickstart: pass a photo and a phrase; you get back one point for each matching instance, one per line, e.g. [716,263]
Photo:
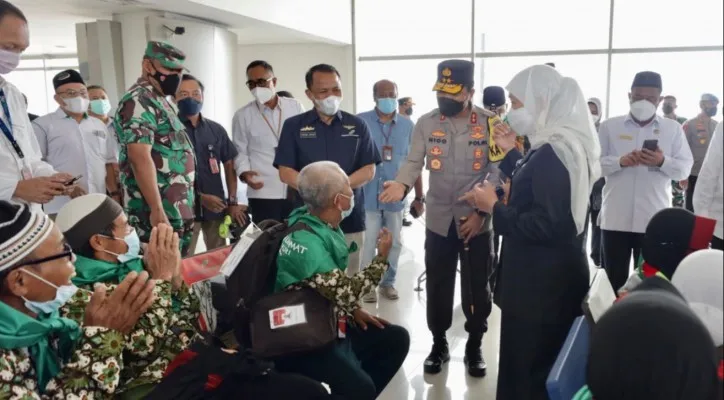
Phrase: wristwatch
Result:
[420,199]
[232,201]
[480,212]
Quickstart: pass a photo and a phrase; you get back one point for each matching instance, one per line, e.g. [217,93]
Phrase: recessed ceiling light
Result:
[59,46]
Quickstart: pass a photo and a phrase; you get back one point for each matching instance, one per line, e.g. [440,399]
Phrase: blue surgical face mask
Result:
[134,247]
[346,213]
[387,105]
[189,106]
[62,295]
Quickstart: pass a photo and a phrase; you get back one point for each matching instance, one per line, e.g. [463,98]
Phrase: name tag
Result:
[308,135]
[285,317]
[625,137]
[100,134]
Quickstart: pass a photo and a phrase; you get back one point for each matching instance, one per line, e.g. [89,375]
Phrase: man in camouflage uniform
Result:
[156,158]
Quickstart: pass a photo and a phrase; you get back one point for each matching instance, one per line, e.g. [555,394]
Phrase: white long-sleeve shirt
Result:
[257,138]
[11,165]
[632,195]
[709,191]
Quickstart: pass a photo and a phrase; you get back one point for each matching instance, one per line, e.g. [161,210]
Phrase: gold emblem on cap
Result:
[446,72]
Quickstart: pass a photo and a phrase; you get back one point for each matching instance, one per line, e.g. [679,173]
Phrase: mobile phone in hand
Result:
[651,144]
[73,181]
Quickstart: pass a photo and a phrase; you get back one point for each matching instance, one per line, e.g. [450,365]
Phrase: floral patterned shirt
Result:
[157,338]
[93,371]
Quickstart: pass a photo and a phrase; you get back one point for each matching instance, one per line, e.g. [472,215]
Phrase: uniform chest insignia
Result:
[477,133]
[442,117]
[474,118]
[436,151]
[477,166]
[439,134]
[307,129]
[702,141]
[625,137]
[349,127]
[435,164]
[478,153]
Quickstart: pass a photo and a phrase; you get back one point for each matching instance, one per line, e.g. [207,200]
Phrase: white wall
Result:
[211,56]
[291,62]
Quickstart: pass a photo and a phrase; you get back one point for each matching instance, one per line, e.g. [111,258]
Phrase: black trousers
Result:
[690,193]
[358,367]
[276,209]
[617,249]
[441,259]
[595,239]
[716,243]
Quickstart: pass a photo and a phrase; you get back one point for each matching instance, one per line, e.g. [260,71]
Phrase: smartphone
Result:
[74,180]
[651,144]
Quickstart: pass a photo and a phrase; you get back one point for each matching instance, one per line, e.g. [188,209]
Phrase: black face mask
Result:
[449,107]
[710,111]
[169,83]
[408,111]
[668,109]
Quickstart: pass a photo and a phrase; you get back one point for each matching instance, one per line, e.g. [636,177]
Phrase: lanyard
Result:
[276,132]
[389,131]
[7,130]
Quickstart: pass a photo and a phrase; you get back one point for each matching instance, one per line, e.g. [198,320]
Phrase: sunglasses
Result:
[67,252]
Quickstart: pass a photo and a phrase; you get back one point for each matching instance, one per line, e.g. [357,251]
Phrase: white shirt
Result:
[709,191]
[11,165]
[76,148]
[257,138]
[632,195]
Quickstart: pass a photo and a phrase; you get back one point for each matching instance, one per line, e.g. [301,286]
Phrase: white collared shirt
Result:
[709,191]
[257,138]
[76,148]
[632,195]
[11,165]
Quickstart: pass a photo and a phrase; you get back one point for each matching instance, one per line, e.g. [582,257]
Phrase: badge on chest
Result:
[213,162]
[387,153]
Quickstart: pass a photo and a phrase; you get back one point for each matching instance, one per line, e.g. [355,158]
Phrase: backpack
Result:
[256,309]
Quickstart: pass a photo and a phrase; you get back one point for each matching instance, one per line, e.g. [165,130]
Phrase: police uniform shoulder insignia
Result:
[435,164]
[307,129]
[477,166]
[473,117]
[442,117]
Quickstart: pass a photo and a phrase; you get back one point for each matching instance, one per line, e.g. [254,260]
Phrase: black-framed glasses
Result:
[259,82]
[67,252]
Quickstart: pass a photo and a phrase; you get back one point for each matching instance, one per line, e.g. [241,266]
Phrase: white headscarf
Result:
[700,279]
[597,102]
[562,119]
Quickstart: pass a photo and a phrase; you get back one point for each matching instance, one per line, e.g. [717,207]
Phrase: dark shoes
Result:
[406,222]
[439,355]
[474,360]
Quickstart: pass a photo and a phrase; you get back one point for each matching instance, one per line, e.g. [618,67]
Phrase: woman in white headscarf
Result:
[595,107]
[545,268]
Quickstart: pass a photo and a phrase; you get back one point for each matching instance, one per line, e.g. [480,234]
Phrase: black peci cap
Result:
[67,76]
[493,96]
[647,79]
[453,75]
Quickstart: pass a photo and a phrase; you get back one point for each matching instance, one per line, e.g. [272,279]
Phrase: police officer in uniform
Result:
[452,143]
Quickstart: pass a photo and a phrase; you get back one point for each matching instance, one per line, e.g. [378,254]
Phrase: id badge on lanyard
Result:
[25,170]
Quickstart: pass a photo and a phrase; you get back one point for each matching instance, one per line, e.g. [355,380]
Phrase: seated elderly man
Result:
[44,356]
[369,350]
[107,250]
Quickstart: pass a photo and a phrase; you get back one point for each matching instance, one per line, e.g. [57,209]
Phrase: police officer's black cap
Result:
[67,76]
[647,79]
[454,75]
[493,96]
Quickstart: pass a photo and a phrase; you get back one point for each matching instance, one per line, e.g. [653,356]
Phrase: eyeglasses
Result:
[195,93]
[73,93]
[259,82]
[67,252]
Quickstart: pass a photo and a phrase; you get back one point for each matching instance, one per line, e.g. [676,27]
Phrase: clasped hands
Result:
[483,196]
[643,157]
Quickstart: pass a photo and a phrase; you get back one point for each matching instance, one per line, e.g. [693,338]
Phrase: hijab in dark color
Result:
[651,346]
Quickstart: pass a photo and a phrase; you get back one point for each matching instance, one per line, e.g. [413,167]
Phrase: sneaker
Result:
[406,222]
[389,292]
[370,297]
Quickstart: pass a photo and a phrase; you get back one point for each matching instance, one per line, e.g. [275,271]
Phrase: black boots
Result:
[439,355]
[474,357]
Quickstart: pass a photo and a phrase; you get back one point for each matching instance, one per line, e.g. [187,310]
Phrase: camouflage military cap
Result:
[169,56]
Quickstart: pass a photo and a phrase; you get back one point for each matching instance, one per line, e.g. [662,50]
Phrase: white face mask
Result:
[521,121]
[77,105]
[263,94]
[643,110]
[595,118]
[329,106]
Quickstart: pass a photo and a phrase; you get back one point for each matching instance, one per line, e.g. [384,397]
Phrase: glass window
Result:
[533,25]
[588,70]
[652,23]
[404,27]
[63,63]
[414,78]
[685,76]
[24,63]
[33,85]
